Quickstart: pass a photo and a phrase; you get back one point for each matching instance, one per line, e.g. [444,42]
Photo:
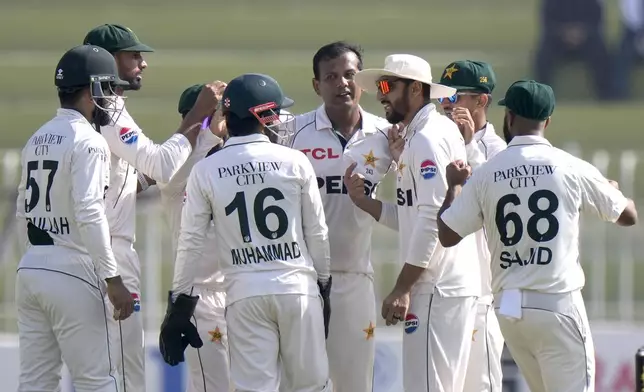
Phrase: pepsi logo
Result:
[411,323]
[128,135]
[428,169]
[137,302]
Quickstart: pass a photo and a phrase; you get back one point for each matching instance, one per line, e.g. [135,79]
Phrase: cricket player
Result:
[528,198]
[324,135]
[273,245]
[135,155]
[474,82]
[68,269]
[435,294]
[208,365]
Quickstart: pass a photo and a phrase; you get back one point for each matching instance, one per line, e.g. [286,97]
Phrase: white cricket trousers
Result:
[274,334]
[130,339]
[551,342]
[484,371]
[208,367]
[351,342]
[62,317]
[437,341]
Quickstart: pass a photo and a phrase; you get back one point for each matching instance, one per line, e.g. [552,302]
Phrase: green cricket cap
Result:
[254,93]
[188,98]
[469,75]
[116,38]
[530,99]
[84,65]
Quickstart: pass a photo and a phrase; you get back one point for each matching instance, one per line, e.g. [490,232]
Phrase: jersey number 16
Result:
[260,214]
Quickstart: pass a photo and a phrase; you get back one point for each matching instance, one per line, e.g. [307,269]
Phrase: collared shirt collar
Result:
[528,140]
[420,119]
[478,135]
[70,113]
[322,121]
[256,137]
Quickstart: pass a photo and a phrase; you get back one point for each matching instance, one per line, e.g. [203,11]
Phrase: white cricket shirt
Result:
[65,173]
[131,151]
[269,220]
[173,193]
[529,199]
[432,141]
[489,144]
[350,228]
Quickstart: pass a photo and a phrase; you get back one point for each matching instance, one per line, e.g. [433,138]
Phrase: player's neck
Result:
[345,122]
[480,123]
[69,107]
[413,112]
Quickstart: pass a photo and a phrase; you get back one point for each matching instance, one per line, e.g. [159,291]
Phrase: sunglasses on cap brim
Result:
[454,98]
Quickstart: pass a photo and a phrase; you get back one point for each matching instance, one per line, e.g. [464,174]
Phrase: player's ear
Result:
[483,101]
[316,86]
[547,122]
[416,88]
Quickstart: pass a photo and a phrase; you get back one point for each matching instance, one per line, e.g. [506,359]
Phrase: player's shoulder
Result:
[380,124]
[575,164]
[305,121]
[492,142]
[123,129]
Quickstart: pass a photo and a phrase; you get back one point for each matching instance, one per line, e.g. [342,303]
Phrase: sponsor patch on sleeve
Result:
[128,135]
[428,169]
[411,323]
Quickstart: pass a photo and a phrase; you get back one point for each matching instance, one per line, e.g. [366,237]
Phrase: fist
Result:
[209,97]
[457,173]
[354,182]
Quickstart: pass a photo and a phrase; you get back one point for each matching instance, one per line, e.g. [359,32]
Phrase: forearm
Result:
[95,234]
[389,216]
[161,161]
[408,276]
[371,206]
[183,278]
[144,182]
[450,195]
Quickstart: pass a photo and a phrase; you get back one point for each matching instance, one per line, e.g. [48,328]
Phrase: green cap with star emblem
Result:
[530,99]
[116,38]
[469,75]
[188,98]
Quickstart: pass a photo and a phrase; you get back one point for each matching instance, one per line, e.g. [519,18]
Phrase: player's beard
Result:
[506,130]
[398,115]
[100,116]
[134,83]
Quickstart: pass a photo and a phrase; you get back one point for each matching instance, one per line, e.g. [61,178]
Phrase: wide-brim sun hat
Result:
[404,66]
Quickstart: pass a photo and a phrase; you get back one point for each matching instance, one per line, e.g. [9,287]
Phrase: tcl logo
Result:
[320,153]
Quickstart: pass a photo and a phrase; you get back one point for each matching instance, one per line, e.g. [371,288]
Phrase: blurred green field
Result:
[203,40]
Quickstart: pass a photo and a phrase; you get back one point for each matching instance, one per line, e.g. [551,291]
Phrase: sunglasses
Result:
[454,98]
[386,85]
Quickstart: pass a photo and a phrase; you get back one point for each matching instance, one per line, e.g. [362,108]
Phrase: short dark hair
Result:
[241,126]
[69,96]
[332,51]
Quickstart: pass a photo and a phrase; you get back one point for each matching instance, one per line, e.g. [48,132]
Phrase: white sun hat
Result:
[404,66]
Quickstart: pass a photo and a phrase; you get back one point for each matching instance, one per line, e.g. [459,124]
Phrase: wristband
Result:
[142,181]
